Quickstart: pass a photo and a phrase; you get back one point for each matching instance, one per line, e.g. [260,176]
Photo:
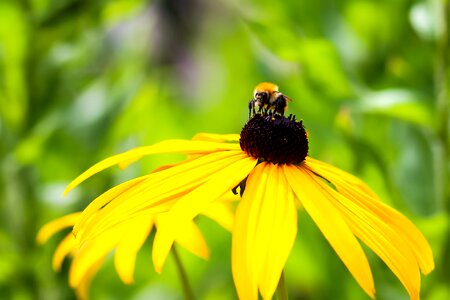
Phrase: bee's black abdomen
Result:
[280,105]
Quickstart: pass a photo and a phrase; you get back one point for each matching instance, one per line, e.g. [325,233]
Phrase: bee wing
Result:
[289,99]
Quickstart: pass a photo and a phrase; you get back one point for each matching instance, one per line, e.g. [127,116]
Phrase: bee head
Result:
[261,97]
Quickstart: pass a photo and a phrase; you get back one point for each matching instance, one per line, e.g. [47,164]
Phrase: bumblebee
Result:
[268,99]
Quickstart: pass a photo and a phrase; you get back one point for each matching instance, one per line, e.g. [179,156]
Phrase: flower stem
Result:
[187,290]
[282,291]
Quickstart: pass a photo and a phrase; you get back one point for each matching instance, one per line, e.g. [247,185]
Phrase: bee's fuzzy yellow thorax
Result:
[266,87]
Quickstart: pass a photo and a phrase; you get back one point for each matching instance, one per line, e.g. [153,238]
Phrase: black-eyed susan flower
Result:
[269,164]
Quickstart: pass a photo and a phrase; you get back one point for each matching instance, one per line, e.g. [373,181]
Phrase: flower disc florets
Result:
[275,139]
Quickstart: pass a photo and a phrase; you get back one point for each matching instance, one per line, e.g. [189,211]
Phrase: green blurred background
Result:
[82,80]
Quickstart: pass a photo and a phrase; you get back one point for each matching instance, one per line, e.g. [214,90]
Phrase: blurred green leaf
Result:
[117,11]
[400,104]
[284,43]
[322,65]
[423,19]
[413,171]
[371,21]
[13,55]
[440,292]
[8,257]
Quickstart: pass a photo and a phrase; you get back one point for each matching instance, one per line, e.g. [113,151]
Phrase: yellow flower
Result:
[275,176]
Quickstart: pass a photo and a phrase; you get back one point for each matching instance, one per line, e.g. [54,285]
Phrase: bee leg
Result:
[279,109]
[260,110]
[251,108]
[241,186]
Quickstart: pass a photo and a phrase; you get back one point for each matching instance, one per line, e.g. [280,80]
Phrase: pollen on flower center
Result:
[275,139]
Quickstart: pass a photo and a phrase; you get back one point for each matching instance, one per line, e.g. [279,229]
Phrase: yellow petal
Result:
[82,289]
[157,192]
[103,220]
[219,138]
[399,223]
[49,229]
[330,222]
[104,199]
[169,146]
[355,181]
[266,230]
[92,251]
[243,250]
[218,184]
[125,164]
[379,237]
[281,222]
[141,194]
[189,206]
[221,212]
[162,243]
[125,257]
[65,247]
[192,240]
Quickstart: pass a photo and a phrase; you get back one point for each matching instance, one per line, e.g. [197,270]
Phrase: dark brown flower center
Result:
[274,138]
